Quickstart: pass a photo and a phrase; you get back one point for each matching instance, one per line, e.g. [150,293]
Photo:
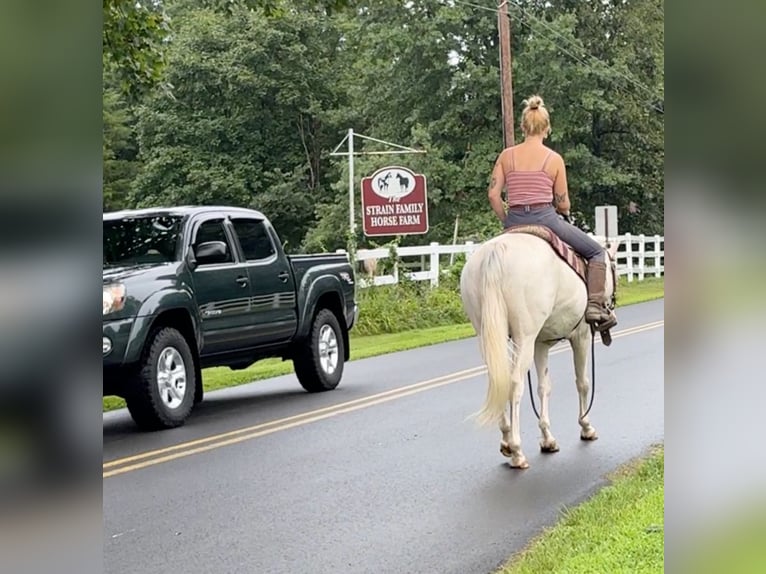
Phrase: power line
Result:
[630,79]
[606,66]
[581,60]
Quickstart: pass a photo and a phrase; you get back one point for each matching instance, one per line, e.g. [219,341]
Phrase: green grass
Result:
[639,291]
[619,530]
[363,346]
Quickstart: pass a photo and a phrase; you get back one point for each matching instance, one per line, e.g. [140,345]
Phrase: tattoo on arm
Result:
[494,181]
[560,197]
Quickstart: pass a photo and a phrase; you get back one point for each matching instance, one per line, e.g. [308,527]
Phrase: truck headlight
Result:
[114,297]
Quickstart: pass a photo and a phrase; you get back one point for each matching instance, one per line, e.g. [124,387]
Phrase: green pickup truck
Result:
[187,288]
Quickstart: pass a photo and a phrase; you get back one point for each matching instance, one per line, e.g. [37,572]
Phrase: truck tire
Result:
[162,397]
[319,360]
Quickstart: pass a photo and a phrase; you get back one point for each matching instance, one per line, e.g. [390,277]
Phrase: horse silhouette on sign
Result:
[393,186]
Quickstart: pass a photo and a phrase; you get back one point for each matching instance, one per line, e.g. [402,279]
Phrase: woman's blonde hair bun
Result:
[535,119]
[533,103]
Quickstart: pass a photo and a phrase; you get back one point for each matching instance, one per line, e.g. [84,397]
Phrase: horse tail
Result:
[494,339]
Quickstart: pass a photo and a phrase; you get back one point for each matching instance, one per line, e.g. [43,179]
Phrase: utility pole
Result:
[506,85]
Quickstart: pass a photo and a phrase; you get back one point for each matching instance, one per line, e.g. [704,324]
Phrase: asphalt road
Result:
[397,483]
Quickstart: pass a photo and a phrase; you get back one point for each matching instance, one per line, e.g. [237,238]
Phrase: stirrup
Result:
[606,324]
[603,327]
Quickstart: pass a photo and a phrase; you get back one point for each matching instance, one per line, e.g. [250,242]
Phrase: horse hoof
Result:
[505,449]
[550,447]
[522,465]
[589,436]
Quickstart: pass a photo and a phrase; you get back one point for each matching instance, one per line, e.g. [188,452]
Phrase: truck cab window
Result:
[254,238]
[213,230]
[141,240]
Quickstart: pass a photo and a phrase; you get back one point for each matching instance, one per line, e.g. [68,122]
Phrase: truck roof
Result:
[182,210]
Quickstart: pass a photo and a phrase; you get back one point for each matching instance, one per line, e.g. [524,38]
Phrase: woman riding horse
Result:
[536,189]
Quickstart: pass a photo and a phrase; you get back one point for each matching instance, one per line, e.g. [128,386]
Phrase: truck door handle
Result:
[284,276]
[242,281]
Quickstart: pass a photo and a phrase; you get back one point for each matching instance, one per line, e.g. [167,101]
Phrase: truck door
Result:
[222,290]
[272,285]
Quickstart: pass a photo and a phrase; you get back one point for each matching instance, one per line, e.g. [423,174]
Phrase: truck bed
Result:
[303,262]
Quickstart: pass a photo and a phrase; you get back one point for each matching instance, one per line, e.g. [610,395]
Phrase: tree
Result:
[261,96]
[134,37]
[249,118]
[423,74]
[120,150]
[599,67]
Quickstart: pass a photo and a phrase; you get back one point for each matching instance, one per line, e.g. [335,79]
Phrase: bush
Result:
[409,305]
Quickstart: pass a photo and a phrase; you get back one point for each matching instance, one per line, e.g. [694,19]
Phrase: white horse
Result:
[516,286]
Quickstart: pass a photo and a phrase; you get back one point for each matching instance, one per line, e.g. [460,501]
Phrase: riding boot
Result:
[596,312]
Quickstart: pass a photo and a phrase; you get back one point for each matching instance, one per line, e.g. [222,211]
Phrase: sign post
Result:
[606,221]
[394,202]
[351,221]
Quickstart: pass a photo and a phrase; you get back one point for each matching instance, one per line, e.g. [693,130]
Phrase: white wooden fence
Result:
[638,256]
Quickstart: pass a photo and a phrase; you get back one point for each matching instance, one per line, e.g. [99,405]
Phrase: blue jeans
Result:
[576,238]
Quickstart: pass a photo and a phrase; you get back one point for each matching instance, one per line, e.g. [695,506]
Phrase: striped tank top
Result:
[529,187]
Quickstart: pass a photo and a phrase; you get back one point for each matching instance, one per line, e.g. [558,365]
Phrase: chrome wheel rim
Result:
[328,349]
[171,377]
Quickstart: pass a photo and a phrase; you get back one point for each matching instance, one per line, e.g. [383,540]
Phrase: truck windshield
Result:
[143,240]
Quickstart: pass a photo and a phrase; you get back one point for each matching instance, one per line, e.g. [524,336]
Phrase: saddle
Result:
[563,250]
[576,262]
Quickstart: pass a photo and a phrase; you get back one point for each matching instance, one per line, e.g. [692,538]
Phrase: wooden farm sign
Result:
[394,202]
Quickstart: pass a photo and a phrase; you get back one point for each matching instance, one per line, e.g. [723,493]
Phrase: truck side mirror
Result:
[211,252]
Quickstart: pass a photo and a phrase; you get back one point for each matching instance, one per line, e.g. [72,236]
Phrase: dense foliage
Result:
[240,102]
[408,306]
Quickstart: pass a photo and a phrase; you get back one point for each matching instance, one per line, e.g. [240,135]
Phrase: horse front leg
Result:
[579,344]
[548,442]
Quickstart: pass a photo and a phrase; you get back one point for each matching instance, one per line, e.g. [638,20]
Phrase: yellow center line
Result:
[287,426]
[148,454]
[189,448]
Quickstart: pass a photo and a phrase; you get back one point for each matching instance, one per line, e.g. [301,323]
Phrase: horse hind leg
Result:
[524,356]
[579,344]
[547,442]
[505,423]
[505,431]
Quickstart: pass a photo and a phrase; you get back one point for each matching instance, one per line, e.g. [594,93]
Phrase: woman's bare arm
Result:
[561,190]
[496,189]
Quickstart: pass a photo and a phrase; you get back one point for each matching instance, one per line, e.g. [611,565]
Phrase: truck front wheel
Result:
[163,394]
[319,360]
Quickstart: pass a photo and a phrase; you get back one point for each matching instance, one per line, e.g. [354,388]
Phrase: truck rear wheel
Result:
[319,361]
[163,395]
